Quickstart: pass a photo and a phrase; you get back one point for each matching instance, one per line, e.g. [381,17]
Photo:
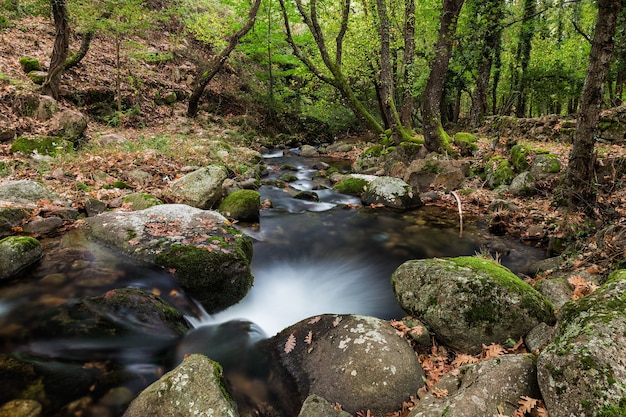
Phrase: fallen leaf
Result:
[290,344]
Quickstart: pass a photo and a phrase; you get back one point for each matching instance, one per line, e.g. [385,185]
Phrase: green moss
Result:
[617,410]
[37,77]
[351,185]
[28,64]
[44,145]
[122,185]
[287,177]
[498,172]
[21,243]
[466,142]
[241,205]
[519,155]
[141,201]
[431,167]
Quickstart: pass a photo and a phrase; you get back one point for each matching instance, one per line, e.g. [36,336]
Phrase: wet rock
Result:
[357,361]
[489,387]
[21,408]
[201,188]
[307,196]
[468,301]
[391,192]
[192,389]
[69,124]
[308,151]
[18,253]
[43,226]
[210,258]
[582,372]
[141,201]
[353,184]
[242,205]
[316,406]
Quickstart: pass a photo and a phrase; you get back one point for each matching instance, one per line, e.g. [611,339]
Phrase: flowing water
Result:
[310,258]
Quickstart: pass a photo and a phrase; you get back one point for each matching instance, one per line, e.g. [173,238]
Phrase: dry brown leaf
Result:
[315,319]
[439,393]
[290,344]
[463,359]
[492,351]
[309,338]
[526,404]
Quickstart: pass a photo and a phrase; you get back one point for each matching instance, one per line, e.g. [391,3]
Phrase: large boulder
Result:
[201,188]
[391,192]
[27,192]
[422,174]
[486,388]
[583,371]
[316,406]
[357,361]
[194,388]
[210,258]
[243,205]
[69,124]
[469,301]
[18,253]
[545,165]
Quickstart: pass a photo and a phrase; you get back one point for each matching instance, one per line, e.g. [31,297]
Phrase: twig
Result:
[458,203]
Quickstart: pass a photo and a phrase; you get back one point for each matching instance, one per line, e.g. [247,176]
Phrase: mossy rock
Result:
[18,253]
[141,201]
[583,371]
[353,184]
[469,301]
[288,177]
[43,145]
[38,77]
[498,172]
[519,157]
[466,142]
[28,64]
[242,205]
[545,166]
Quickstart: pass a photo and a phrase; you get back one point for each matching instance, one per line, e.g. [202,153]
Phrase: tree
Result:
[579,177]
[60,50]
[435,137]
[216,64]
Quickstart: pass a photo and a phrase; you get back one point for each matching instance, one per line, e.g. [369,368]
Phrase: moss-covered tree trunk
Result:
[60,50]
[435,137]
[204,77]
[580,172]
[406,111]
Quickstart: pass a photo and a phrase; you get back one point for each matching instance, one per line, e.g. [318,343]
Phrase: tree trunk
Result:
[580,172]
[406,111]
[60,49]
[527,32]
[85,43]
[436,139]
[386,77]
[203,78]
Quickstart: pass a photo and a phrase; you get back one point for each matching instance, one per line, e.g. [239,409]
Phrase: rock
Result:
[353,184]
[21,408]
[582,372]
[357,361]
[194,388]
[307,195]
[539,337]
[119,312]
[40,145]
[502,205]
[201,188]
[110,139]
[391,192]
[520,154]
[11,217]
[557,290]
[308,151]
[242,205]
[545,166]
[94,207]
[26,104]
[29,63]
[43,226]
[47,108]
[27,192]
[141,201]
[69,124]
[486,388]
[139,176]
[466,142]
[210,258]
[7,134]
[316,406]
[523,185]
[18,253]
[468,301]
[423,174]
[498,172]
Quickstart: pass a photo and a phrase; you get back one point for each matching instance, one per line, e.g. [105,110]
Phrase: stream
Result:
[310,258]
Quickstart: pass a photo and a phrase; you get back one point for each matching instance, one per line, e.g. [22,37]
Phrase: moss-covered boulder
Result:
[18,253]
[201,188]
[359,362]
[523,185]
[520,154]
[393,193]
[498,172]
[466,142]
[242,205]
[70,125]
[583,371]
[194,388]
[120,312]
[29,63]
[469,301]
[545,165]
[210,258]
[354,184]
[43,145]
[37,77]
[141,201]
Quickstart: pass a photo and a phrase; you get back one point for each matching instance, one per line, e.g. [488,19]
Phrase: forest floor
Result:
[164,141]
